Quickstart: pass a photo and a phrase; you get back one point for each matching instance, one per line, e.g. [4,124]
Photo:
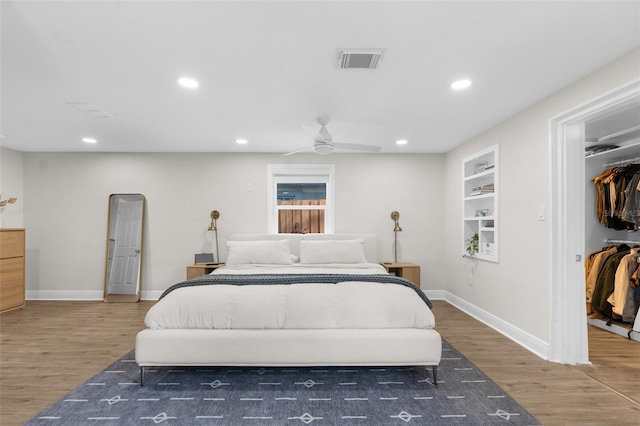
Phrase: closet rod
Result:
[617,163]
[608,241]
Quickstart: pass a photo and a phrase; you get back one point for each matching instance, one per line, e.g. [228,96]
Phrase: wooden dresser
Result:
[12,267]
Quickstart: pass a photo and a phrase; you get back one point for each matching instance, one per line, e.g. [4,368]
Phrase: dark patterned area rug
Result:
[288,396]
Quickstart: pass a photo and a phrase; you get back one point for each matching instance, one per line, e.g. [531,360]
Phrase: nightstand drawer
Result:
[408,271]
[194,271]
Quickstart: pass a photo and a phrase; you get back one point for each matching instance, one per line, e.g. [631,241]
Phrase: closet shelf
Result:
[479,218]
[615,151]
[480,175]
[479,196]
[625,132]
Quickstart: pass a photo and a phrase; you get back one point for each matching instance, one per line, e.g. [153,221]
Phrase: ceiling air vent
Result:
[360,58]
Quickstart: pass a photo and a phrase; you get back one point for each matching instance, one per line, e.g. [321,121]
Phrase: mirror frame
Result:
[111,228]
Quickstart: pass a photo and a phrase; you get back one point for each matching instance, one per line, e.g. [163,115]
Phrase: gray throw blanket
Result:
[270,279]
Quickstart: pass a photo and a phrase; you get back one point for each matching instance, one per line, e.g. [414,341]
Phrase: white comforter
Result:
[346,305]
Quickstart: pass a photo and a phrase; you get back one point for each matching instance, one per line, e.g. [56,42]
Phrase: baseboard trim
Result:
[63,295]
[614,328]
[521,337]
[151,295]
[80,295]
[435,294]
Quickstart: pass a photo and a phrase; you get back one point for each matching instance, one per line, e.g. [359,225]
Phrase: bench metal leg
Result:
[141,376]
[434,368]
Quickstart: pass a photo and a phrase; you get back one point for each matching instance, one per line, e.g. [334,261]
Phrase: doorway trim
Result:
[568,340]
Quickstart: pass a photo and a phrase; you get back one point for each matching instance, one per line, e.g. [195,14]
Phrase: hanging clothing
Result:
[631,209]
[617,198]
[602,201]
[622,291]
[606,281]
[594,271]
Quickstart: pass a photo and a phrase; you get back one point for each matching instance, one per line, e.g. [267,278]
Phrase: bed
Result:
[292,300]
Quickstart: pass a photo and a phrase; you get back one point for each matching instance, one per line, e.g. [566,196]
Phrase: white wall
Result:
[516,290]
[11,163]
[66,198]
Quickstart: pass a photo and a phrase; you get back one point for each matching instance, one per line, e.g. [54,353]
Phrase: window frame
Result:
[300,173]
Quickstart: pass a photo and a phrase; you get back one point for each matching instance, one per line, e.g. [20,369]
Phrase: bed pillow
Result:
[258,252]
[336,251]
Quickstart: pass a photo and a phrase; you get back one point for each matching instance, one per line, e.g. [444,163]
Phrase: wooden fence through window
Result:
[301,221]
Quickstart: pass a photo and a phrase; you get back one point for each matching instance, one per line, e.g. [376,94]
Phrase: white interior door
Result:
[123,277]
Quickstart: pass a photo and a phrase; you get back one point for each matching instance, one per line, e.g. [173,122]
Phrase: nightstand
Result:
[198,269]
[409,271]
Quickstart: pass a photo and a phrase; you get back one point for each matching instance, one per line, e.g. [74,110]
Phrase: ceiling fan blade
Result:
[309,148]
[358,147]
[309,129]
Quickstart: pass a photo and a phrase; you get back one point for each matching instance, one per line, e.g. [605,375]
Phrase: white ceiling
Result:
[266,69]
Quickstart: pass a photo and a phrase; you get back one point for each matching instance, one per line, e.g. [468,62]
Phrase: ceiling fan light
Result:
[323,149]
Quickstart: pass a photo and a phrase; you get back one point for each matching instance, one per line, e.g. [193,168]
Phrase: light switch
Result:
[541,213]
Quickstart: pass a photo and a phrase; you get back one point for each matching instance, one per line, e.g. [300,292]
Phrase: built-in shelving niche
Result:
[480,191]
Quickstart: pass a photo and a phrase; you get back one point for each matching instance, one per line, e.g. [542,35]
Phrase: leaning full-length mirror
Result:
[124,248]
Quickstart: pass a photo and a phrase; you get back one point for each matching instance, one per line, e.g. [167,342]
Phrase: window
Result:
[301,198]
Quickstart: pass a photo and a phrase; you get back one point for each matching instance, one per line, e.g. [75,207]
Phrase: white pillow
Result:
[335,251]
[258,252]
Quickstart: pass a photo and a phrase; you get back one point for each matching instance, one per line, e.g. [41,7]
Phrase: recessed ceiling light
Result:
[460,84]
[241,141]
[89,140]
[188,82]
[402,142]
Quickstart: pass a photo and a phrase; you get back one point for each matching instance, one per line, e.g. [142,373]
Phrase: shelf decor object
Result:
[480,191]
[11,200]
[472,245]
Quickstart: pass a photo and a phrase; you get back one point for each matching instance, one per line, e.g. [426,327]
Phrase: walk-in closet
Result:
[612,222]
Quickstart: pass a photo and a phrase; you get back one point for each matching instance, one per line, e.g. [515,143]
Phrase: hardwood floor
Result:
[48,348]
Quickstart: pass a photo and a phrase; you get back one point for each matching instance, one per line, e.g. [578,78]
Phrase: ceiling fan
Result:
[323,143]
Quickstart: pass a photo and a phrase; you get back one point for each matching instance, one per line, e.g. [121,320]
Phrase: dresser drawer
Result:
[11,283]
[11,244]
